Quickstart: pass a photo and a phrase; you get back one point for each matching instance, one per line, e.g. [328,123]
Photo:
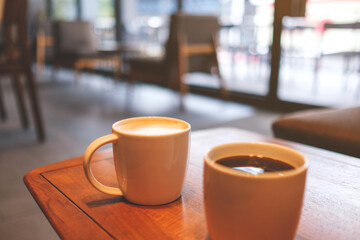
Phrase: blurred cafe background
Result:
[71,68]
[318,62]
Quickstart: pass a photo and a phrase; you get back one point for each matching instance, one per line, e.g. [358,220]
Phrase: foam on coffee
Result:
[152,130]
[151,127]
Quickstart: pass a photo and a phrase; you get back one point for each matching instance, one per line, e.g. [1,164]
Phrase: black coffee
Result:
[254,164]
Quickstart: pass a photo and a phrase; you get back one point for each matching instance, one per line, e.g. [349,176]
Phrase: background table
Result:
[76,210]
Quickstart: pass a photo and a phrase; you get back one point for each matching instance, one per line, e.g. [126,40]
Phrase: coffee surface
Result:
[254,164]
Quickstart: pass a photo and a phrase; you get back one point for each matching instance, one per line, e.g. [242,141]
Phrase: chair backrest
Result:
[74,38]
[14,29]
[194,29]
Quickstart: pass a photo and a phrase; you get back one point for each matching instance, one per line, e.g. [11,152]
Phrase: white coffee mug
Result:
[150,156]
[240,205]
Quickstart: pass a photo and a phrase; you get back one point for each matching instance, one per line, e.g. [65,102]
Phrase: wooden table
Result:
[76,210]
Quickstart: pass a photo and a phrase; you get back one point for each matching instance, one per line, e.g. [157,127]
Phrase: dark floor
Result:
[76,115]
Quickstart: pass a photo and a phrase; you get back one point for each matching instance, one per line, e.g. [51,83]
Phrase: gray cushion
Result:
[333,129]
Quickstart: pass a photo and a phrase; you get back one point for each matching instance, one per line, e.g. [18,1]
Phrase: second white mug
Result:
[251,205]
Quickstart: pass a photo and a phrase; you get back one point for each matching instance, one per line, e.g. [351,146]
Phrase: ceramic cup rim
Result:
[134,119]
[271,175]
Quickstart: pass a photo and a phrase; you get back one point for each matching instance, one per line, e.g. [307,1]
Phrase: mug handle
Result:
[95,145]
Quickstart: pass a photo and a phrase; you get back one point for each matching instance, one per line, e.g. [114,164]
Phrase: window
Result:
[64,9]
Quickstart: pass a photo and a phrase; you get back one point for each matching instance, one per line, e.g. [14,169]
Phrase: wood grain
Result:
[62,213]
[77,210]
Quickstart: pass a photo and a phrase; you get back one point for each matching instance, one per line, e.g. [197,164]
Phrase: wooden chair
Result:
[75,46]
[17,60]
[191,47]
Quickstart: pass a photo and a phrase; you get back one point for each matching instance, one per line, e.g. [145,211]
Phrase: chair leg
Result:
[182,102]
[40,60]
[225,94]
[116,62]
[3,114]
[77,76]
[223,89]
[183,90]
[19,95]
[35,105]
[79,65]
[40,53]
[130,85]
[55,68]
